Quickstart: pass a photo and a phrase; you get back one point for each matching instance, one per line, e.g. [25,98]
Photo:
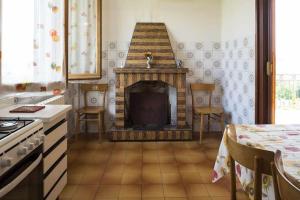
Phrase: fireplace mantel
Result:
[128,70]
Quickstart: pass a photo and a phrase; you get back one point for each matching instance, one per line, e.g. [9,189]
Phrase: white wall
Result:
[186,20]
[238,18]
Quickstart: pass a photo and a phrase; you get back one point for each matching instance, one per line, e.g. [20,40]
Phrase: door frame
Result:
[265,62]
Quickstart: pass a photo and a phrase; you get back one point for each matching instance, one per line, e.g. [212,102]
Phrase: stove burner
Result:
[11,125]
[4,126]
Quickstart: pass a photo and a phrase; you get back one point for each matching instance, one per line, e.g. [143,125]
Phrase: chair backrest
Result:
[205,87]
[85,88]
[252,158]
[285,188]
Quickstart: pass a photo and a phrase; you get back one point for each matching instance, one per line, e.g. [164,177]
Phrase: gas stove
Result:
[10,125]
[21,153]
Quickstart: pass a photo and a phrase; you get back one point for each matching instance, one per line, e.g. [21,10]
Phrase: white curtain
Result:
[32,41]
[82,36]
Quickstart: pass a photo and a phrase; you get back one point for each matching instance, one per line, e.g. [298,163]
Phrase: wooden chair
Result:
[257,160]
[83,114]
[215,113]
[284,187]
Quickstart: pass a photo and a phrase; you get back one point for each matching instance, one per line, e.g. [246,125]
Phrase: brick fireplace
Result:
[150,38]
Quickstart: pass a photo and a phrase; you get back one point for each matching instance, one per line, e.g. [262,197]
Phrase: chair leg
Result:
[77,131]
[193,122]
[86,124]
[257,179]
[99,132]
[102,123]
[222,123]
[233,179]
[201,127]
[208,123]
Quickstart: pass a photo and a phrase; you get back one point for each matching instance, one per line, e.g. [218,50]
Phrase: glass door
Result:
[287,109]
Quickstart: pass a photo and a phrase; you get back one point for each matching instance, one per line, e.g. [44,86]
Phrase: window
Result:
[32,41]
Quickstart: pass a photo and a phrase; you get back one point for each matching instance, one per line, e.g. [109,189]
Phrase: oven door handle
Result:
[21,177]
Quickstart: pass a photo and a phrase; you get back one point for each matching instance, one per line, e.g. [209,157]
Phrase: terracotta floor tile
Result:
[131,178]
[136,171]
[187,168]
[191,177]
[211,154]
[196,190]
[164,145]
[152,191]
[111,179]
[167,159]
[222,198]
[165,152]
[151,168]
[150,159]
[149,145]
[183,159]
[114,168]
[74,178]
[174,198]
[200,198]
[169,168]
[174,190]
[130,191]
[241,195]
[171,178]
[92,176]
[68,192]
[151,178]
[86,192]
[216,190]
[108,191]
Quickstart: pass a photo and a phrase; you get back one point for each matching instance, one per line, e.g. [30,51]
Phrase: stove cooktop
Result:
[11,125]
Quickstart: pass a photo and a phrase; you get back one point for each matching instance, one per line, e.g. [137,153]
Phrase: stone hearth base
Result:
[144,135]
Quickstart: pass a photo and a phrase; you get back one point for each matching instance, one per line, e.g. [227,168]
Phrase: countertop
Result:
[49,113]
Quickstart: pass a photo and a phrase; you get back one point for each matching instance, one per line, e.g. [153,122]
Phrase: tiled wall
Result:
[229,64]
[238,61]
[202,58]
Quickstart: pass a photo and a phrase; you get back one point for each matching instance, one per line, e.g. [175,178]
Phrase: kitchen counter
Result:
[48,114]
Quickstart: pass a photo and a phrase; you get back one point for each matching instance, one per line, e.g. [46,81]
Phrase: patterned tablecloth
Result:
[269,137]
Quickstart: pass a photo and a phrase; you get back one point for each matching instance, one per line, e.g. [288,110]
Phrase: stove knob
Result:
[30,145]
[36,141]
[5,162]
[41,137]
[22,151]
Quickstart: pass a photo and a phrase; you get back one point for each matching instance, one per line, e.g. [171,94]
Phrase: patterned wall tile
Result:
[239,79]
[228,64]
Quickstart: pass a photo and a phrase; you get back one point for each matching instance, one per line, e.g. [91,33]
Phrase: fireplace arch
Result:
[150,105]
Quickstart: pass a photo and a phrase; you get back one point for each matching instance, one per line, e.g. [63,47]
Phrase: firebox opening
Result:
[148,105]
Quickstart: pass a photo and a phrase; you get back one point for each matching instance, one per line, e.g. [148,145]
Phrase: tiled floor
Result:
[148,171]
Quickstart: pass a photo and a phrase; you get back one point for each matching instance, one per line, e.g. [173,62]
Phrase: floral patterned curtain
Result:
[44,69]
[49,41]
[82,36]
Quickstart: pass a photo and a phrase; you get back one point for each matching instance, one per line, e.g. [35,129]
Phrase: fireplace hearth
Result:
[147,106]
[143,106]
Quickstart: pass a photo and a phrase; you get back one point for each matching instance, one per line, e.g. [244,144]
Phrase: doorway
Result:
[287,104]
[277,72]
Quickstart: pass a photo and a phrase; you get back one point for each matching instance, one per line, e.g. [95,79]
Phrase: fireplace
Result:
[150,90]
[147,105]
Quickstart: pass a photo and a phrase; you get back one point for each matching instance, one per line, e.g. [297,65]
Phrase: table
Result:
[285,138]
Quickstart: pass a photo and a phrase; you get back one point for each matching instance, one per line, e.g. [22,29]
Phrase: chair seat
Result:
[209,110]
[91,110]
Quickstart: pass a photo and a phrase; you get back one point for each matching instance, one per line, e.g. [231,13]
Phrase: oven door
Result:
[24,180]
